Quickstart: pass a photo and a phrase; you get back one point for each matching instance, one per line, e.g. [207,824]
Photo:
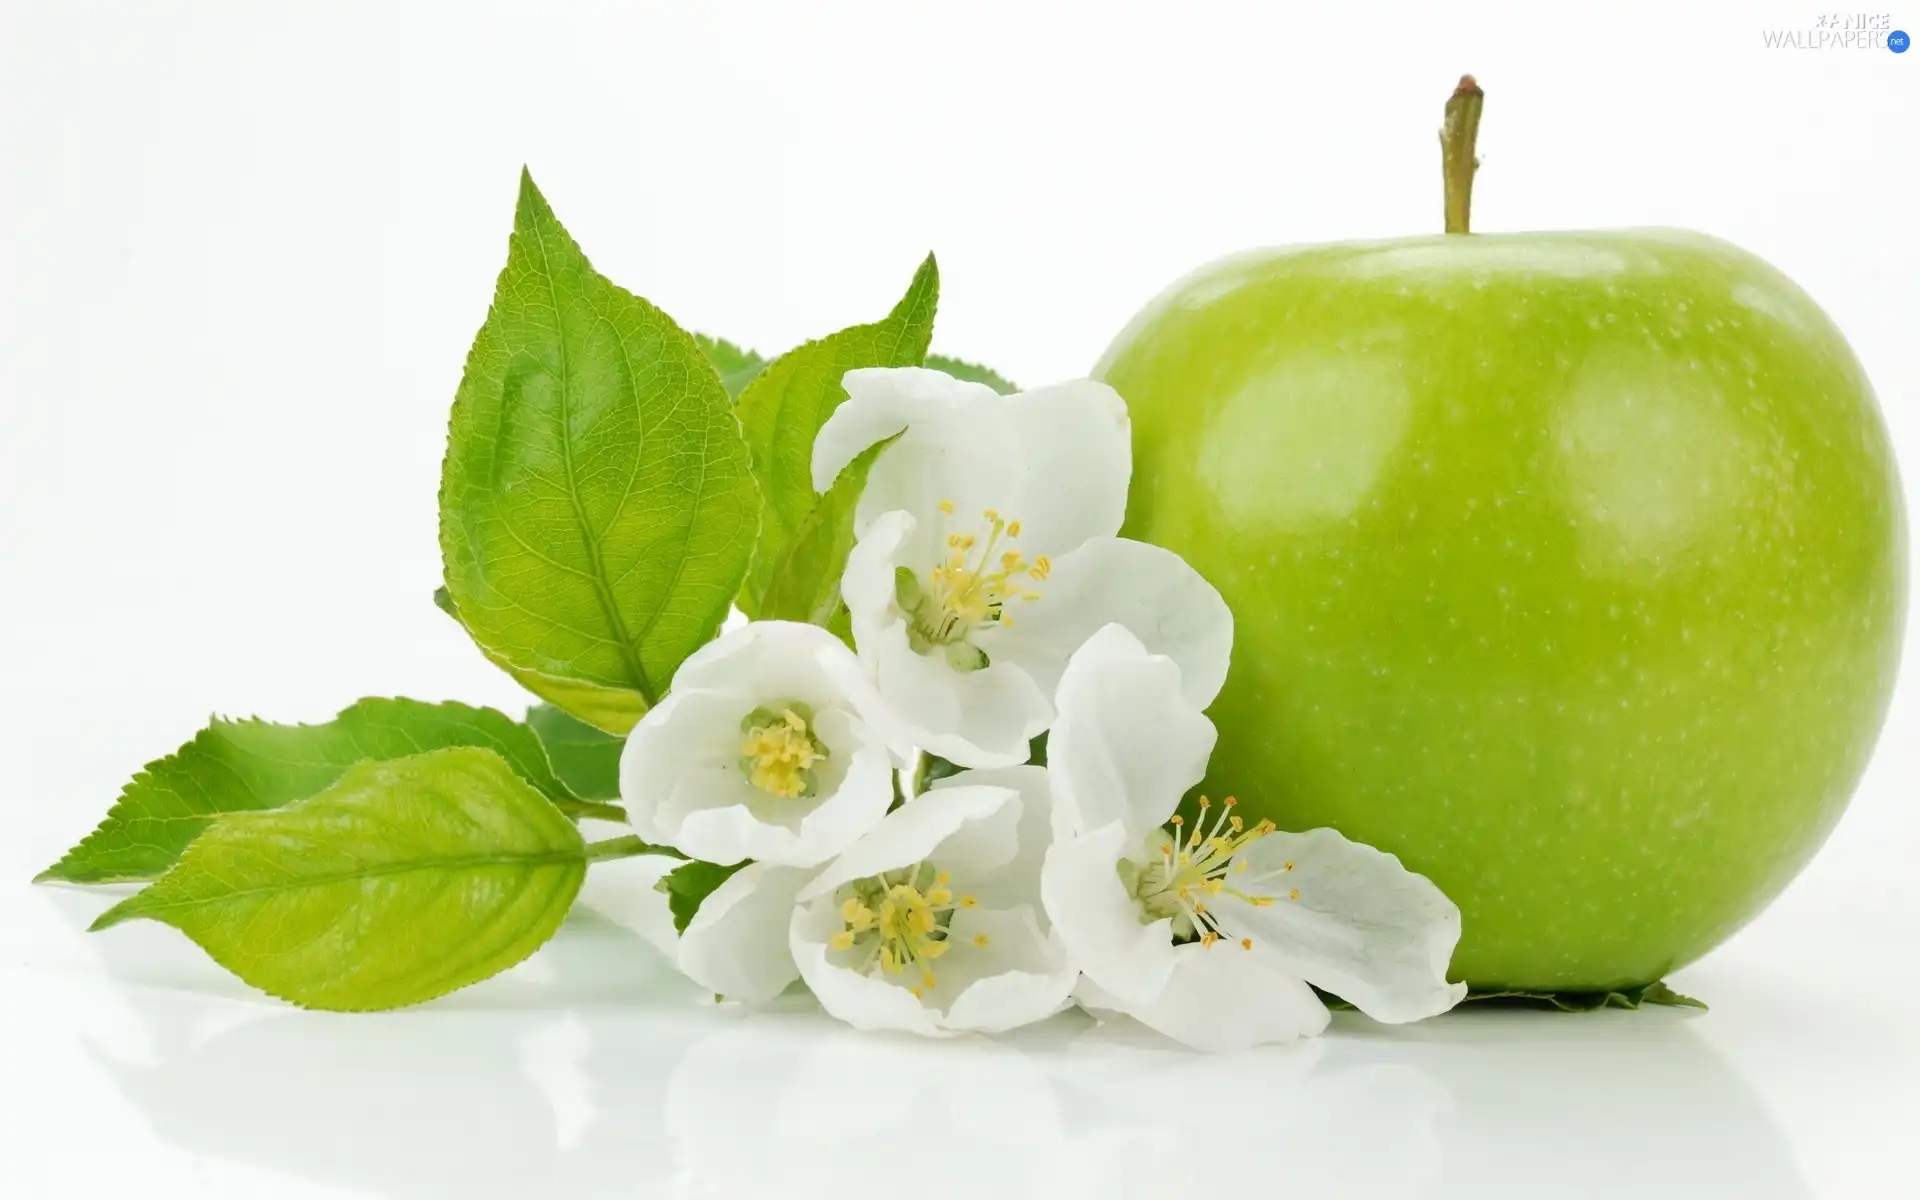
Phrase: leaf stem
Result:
[629,846]
[594,809]
[1457,161]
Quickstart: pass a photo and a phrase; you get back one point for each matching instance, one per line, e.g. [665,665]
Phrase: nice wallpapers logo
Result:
[1841,31]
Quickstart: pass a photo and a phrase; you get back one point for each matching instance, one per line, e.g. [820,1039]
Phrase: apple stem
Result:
[1457,163]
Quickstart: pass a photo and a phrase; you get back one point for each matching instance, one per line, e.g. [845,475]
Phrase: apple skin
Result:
[1569,567]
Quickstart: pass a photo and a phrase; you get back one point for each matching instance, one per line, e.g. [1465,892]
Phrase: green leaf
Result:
[805,582]
[972,373]
[596,508]
[687,887]
[735,365]
[1573,1002]
[1659,993]
[586,759]
[601,708]
[244,766]
[628,846]
[403,881]
[1633,997]
[783,408]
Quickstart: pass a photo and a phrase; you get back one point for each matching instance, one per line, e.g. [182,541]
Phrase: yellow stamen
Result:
[970,587]
[1196,861]
[901,919]
[778,757]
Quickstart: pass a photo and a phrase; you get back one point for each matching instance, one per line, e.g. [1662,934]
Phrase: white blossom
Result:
[932,922]
[1205,926]
[987,553]
[760,752]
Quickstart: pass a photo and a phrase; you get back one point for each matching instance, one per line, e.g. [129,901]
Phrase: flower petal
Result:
[734,830]
[720,805]
[1008,882]
[736,945]
[680,773]
[1057,458]
[867,584]
[770,660]
[1017,977]
[917,831]
[956,446]
[859,1000]
[1127,744]
[983,718]
[1152,591]
[1364,927]
[1076,449]
[883,401]
[1098,922]
[1220,999]
[690,734]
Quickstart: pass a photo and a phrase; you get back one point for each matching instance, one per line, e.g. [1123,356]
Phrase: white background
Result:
[243,251]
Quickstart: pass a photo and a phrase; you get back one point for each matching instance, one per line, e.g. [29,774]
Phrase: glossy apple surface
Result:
[1568,567]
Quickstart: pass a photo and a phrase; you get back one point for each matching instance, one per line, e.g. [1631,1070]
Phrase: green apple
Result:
[1569,567]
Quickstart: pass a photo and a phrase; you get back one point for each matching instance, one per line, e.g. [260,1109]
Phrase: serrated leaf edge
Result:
[144,777]
[578,856]
[628,644]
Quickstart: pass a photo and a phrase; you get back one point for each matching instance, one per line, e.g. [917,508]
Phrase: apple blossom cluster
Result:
[991,602]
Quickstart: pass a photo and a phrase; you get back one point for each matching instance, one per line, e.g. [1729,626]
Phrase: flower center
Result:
[779,751]
[969,590]
[901,920]
[1185,869]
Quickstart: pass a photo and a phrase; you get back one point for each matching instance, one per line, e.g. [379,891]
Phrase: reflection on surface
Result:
[548,1079]
[1598,1104]
[601,1074]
